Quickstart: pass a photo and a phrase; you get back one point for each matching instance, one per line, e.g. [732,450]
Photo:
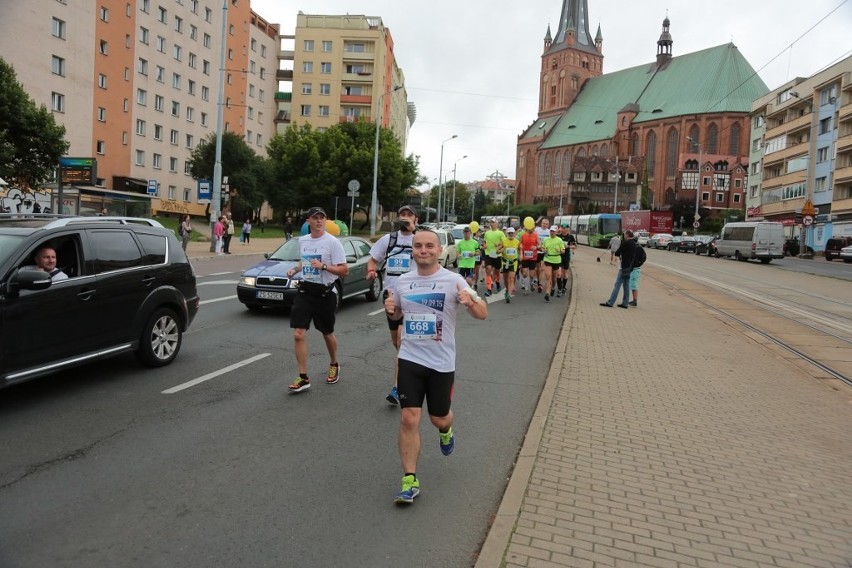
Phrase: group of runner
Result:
[543,254]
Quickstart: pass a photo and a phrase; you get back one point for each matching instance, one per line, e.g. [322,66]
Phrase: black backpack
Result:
[640,258]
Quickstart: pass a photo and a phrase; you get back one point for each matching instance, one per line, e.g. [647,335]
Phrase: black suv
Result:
[129,287]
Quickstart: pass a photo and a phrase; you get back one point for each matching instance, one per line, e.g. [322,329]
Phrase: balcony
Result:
[363,77]
[283,116]
[362,118]
[785,154]
[283,97]
[284,75]
[790,126]
[358,56]
[286,55]
[356,99]
[842,175]
[845,113]
[844,143]
[781,207]
[785,179]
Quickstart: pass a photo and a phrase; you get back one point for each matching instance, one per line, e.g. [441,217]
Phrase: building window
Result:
[142,66]
[160,74]
[208,15]
[260,95]
[712,139]
[193,60]
[57,102]
[172,192]
[102,81]
[248,136]
[140,127]
[158,132]
[203,119]
[825,125]
[193,33]
[161,44]
[354,48]
[734,140]
[162,14]
[126,105]
[263,51]
[186,194]
[259,140]
[159,101]
[737,198]
[325,89]
[100,147]
[323,110]
[104,47]
[175,81]
[205,93]
[827,94]
[262,73]
[251,90]
[252,67]
[178,24]
[738,183]
[250,113]
[306,88]
[308,45]
[142,96]
[308,67]
[753,191]
[205,67]
[206,41]
[326,46]
[306,110]
[101,114]
[178,52]
[325,67]
[190,87]
[190,140]
[260,118]
[140,158]
[156,161]
[173,163]
[820,184]
[720,198]
[57,66]
[822,154]
[173,137]
[187,168]
[145,6]
[58,28]
[175,108]
[104,14]
[190,114]
[671,153]
[230,55]
[254,45]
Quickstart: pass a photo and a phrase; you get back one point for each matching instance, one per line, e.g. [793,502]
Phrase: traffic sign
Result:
[354,185]
[152,187]
[696,224]
[560,211]
[353,193]
[807,220]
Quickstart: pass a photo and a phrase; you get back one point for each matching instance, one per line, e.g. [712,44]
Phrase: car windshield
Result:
[287,251]
[443,238]
[8,245]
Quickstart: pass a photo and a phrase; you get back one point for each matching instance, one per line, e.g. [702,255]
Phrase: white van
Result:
[762,240]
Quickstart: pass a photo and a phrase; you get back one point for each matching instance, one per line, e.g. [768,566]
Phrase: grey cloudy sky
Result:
[471,66]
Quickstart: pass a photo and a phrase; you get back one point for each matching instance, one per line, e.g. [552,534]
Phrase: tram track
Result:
[809,337]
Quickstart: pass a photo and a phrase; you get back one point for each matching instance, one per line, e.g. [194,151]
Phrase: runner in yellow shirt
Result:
[509,254]
[553,247]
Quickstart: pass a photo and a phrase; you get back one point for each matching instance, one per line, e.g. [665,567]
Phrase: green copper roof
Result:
[718,79]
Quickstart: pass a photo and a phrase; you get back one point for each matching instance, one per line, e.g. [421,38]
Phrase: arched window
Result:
[694,139]
[671,153]
[734,145]
[566,166]
[651,153]
[712,139]
[595,150]
[581,153]
[540,170]
[634,144]
[604,151]
[548,169]
[557,170]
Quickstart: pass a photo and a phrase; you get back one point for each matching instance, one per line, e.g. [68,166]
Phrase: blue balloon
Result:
[305,228]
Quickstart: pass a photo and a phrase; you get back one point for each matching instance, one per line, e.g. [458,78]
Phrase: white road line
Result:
[222,299]
[376,312]
[217,274]
[215,374]
[219,282]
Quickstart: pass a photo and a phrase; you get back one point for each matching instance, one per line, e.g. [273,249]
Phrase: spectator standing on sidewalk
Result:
[614,244]
[288,229]
[627,253]
[246,231]
[229,234]
[426,301]
[219,234]
[322,262]
[184,231]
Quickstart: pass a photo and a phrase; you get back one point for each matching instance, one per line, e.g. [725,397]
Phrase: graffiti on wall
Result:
[15,200]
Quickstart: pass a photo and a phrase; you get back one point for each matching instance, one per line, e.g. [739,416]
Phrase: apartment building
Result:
[801,151]
[135,84]
[343,70]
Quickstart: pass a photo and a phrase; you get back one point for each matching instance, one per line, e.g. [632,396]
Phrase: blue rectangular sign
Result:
[152,187]
[205,190]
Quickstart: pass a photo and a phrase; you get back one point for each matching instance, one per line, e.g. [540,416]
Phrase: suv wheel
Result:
[161,339]
[375,289]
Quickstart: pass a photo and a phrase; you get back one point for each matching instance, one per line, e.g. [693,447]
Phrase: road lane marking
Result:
[215,374]
[376,312]
[216,274]
[218,282]
[222,299]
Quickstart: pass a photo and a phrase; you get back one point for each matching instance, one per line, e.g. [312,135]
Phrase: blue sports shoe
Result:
[410,490]
[393,396]
[448,442]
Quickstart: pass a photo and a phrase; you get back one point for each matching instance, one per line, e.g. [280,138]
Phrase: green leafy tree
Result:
[31,142]
[239,162]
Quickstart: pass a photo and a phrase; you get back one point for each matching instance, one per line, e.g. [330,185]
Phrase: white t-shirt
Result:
[614,243]
[399,259]
[542,233]
[327,249]
[429,305]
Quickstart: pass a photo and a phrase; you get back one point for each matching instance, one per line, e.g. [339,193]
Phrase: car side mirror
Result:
[351,259]
[266,255]
[27,279]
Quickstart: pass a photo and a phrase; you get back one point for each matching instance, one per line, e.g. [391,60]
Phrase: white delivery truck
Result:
[763,240]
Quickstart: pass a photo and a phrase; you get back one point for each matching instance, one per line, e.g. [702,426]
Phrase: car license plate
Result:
[263,295]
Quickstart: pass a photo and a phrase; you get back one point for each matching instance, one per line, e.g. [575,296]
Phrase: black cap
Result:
[408,208]
[313,211]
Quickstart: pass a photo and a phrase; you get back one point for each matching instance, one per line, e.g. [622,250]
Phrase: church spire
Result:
[574,20]
[599,40]
[548,39]
[664,44]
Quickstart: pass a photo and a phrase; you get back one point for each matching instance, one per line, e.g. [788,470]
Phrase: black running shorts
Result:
[416,382]
[320,310]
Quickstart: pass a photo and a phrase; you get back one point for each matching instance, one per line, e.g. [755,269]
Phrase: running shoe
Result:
[546,298]
[333,373]
[487,293]
[300,385]
[539,288]
[448,441]
[634,303]
[498,286]
[506,295]
[393,396]
[410,490]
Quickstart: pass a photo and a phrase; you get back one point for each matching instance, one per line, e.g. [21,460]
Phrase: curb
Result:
[500,534]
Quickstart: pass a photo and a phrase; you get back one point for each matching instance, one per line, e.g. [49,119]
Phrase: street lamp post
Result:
[374,205]
[699,180]
[617,177]
[440,172]
[216,209]
[453,208]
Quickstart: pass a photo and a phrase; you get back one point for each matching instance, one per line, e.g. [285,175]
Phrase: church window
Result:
[581,153]
[651,153]
[595,150]
[604,151]
[694,138]
[712,139]
[671,153]
[566,165]
[540,172]
[634,144]
[734,144]
[548,169]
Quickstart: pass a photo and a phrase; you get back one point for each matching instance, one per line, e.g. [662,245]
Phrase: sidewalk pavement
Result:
[665,436]
[197,250]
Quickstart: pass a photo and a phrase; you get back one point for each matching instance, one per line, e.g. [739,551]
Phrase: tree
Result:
[239,162]
[31,142]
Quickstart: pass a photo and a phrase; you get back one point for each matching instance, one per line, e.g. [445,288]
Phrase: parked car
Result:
[705,245]
[834,245]
[642,238]
[762,240]
[683,244]
[659,240]
[129,288]
[449,252]
[266,284]
[846,254]
[458,231]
